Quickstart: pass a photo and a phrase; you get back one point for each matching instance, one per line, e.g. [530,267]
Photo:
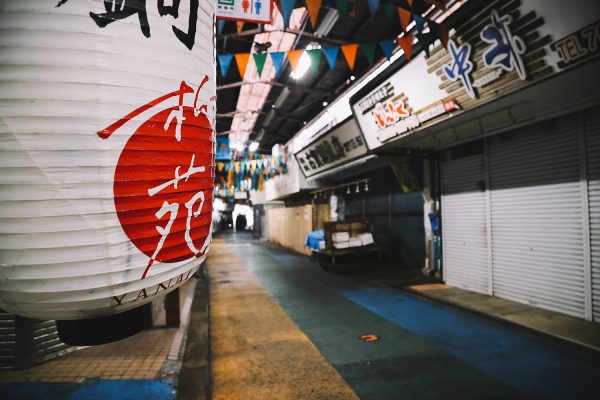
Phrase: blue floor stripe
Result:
[526,363]
[89,390]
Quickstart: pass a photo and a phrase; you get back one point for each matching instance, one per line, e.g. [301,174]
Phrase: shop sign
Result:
[259,11]
[493,62]
[404,102]
[579,46]
[398,120]
[334,148]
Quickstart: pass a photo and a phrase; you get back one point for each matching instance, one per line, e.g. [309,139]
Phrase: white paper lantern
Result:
[106,152]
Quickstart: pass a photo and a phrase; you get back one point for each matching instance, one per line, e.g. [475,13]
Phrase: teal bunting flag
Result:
[287,6]
[225,63]
[331,54]
[277,59]
[387,46]
[373,6]
[419,22]
[220,26]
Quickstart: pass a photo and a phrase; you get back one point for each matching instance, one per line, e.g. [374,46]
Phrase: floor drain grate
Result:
[369,337]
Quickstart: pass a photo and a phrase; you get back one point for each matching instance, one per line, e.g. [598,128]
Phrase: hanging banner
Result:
[259,11]
[107,153]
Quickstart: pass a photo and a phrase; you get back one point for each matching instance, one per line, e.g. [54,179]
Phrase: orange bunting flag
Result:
[220,166]
[404,16]
[294,57]
[242,61]
[313,7]
[239,26]
[405,42]
[409,2]
[349,51]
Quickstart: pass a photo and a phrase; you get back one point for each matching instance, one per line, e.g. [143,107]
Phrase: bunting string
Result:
[404,41]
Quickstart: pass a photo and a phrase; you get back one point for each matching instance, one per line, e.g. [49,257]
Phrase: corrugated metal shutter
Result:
[592,130]
[464,219]
[46,343]
[536,214]
[8,340]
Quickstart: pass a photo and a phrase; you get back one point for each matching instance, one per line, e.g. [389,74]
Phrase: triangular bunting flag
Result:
[225,63]
[389,10]
[220,26]
[349,51]
[343,7]
[387,46]
[287,6]
[419,21]
[373,6]
[220,166]
[259,60]
[369,50]
[405,42]
[408,1]
[315,59]
[313,7]
[242,61]
[404,16]
[277,58]
[239,26]
[331,54]
[294,57]
[443,34]
[426,39]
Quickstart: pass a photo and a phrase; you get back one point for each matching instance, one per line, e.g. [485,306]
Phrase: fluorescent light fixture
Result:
[269,117]
[253,146]
[327,22]
[282,97]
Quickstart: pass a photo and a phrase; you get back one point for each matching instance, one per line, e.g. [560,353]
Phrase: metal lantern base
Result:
[95,331]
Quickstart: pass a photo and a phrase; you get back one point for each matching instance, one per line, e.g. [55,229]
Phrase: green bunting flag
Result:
[343,7]
[315,59]
[369,50]
[259,60]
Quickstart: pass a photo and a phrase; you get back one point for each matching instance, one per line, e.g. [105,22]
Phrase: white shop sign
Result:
[334,148]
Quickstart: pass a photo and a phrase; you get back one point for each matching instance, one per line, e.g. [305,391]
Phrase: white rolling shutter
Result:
[537,218]
[464,217]
[592,131]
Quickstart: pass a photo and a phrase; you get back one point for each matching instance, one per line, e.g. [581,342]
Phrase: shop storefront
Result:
[511,111]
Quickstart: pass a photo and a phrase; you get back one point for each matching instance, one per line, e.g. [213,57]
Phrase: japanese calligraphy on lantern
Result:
[117,10]
[245,10]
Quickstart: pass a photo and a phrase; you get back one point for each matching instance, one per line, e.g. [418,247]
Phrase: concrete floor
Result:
[281,328]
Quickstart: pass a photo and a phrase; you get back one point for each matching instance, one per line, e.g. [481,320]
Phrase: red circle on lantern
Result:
[152,175]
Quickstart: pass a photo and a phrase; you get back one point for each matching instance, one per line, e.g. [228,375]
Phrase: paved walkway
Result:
[267,302]
[139,366]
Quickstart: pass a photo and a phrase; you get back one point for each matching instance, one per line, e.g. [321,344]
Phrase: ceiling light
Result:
[352,77]
[325,104]
[253,146]
[327,22]
[281,98]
